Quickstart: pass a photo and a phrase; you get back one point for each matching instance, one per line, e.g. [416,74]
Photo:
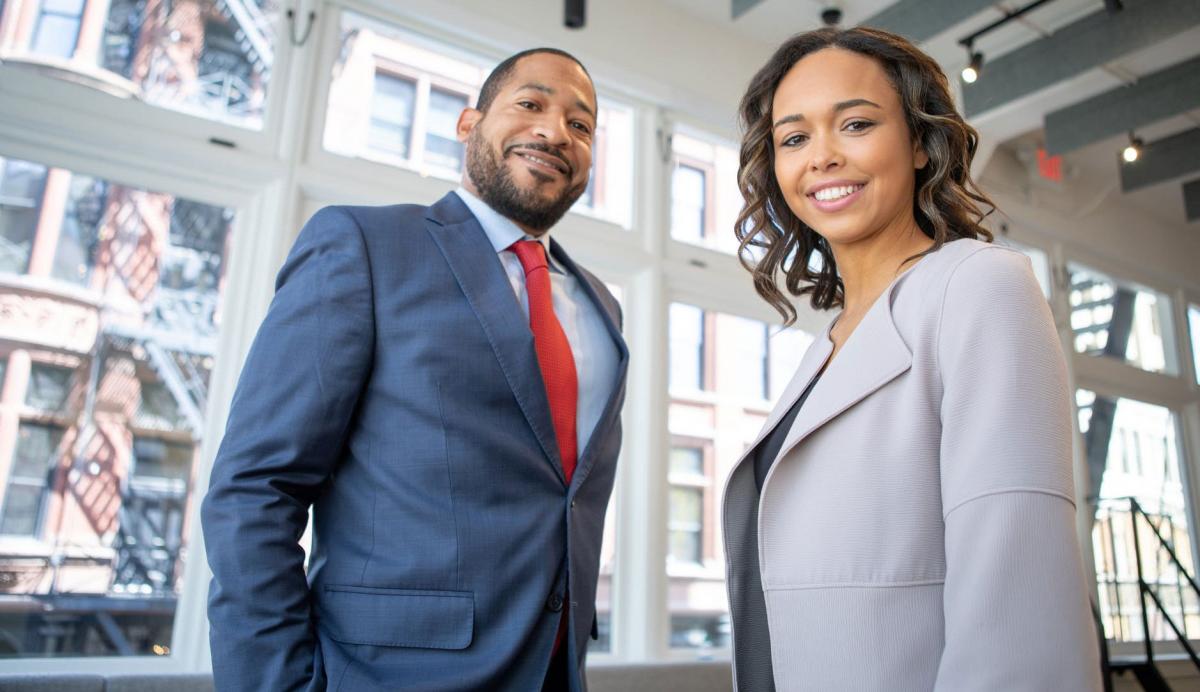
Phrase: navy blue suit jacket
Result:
[394,388]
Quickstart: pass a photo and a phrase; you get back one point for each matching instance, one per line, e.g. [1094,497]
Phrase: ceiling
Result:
[772,21]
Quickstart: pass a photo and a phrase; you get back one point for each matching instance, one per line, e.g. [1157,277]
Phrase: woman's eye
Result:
[858,125]
[793,141]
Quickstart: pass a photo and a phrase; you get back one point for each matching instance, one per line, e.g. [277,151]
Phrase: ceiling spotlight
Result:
[971,72]
[1134,150]
[831,16]
[574,14]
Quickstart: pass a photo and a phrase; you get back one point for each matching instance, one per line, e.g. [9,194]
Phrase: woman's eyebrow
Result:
[837,108]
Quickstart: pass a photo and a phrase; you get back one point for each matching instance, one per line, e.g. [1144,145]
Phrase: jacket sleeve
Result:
[1016,602]
[285,434]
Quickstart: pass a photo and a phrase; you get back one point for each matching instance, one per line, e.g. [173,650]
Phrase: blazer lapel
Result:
[810,365]
[874,355]
[479,273]
[609,314]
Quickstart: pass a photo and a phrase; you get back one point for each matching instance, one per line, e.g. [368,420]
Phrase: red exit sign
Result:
[1049,167]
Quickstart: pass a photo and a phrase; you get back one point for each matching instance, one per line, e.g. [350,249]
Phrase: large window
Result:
[21,186]
[726,371]
[1120,320]
[704,195]
[111,392]
[1132,453]
[210,58]
[396,96]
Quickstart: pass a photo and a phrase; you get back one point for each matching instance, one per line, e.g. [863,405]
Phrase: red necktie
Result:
[557,364]
[553,350]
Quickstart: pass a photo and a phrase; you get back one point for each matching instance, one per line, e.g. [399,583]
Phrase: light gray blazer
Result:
[917,530]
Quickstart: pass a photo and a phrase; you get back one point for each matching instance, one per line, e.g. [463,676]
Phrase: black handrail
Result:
[1145,590]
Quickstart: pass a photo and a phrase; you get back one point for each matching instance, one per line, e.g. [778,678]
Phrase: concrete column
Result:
[91,31]
[50,219]
[12,399]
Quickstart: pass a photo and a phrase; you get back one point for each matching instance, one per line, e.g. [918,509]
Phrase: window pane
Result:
[710,429]
[1194,329]
[687,347]
[787,347]
[1119,320]
[160,459]
[687,461]
[688,203]
[37,454]
[609,193]
[442,147]
[743,350]
[79,237]
[22,509]
[705,199]
[686,520]
[49,387]
[391,114]
[121,490]
[56,35]
[1132,452]
[210,58]
[21,186]
[37,450]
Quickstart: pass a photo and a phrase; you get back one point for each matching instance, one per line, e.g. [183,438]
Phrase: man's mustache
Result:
[545,149]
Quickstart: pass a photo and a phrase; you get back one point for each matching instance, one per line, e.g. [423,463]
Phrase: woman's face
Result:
[844,157]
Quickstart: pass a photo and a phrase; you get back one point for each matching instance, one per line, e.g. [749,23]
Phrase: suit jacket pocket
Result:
[397,617]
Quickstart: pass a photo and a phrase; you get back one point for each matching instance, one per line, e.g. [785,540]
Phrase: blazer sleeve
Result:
[286,431]
[1016,602]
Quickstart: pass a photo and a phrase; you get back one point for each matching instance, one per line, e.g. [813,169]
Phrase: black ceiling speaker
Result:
[832,16]
[575,14]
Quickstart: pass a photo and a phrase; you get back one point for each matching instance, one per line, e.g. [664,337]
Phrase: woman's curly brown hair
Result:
[946,202]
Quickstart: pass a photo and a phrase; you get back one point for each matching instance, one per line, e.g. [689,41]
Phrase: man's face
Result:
[530,154]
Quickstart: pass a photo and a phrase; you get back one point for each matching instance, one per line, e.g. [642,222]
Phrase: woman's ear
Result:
[920,158]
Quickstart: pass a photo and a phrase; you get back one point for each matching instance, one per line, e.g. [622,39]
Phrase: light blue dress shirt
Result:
[593,348]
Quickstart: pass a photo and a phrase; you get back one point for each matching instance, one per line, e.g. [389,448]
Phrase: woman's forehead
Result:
[821,80]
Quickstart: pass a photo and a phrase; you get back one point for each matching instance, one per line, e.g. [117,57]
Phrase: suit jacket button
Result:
[555,603]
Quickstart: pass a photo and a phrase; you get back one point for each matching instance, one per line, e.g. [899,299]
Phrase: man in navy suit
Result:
[442,386]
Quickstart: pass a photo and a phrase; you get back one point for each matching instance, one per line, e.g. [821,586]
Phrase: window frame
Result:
[277,177]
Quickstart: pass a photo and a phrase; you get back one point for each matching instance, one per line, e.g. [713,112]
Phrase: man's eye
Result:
[582,127]
[529,105]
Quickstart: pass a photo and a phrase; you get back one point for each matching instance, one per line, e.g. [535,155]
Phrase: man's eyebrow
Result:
[837,108]
[549,91]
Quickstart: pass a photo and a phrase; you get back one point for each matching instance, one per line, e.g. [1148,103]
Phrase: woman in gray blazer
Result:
[906,520]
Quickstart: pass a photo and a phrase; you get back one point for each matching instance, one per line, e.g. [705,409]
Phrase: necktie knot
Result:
[532,255]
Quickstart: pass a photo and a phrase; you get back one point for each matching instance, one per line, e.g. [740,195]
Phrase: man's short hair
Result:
[495,81]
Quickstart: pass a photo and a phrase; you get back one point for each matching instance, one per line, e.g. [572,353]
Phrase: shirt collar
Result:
[500,230]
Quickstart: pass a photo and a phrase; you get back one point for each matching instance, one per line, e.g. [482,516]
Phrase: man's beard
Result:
[494,181]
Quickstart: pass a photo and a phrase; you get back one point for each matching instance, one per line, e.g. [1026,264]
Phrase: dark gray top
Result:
[764,456]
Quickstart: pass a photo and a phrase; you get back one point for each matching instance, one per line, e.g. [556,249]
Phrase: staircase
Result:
[1154,593]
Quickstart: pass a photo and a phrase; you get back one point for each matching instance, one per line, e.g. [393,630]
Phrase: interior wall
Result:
[1090,218]
[647,49]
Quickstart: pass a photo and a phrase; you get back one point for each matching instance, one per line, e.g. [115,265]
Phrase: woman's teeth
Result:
[832,193]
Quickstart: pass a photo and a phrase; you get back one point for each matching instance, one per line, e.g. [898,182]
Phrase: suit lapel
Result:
[809,366]
[479,273]
[609,314]
[874,355]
